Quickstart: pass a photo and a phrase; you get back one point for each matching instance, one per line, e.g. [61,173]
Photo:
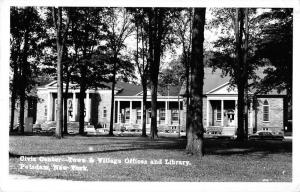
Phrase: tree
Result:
[143,67]
[275,50]
[89,56]
[235,56]
[184,33]
[61,34]
[196,129]
[159,37]
[26,34]
[119,28]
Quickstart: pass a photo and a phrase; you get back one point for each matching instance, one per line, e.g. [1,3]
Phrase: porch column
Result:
[130,112]
[207,113]
[88,107]
[49,107]
[222,112]
[166,112]
[142,112]
[118,112]
[74,109]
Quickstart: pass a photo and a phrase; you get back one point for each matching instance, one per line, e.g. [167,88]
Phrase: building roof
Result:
[128,89]
[212,80]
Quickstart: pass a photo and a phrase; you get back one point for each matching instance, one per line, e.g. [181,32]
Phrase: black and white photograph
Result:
[161,95]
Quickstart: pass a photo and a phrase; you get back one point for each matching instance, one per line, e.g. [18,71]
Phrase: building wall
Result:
[104,97]
[276,114]
[42,110]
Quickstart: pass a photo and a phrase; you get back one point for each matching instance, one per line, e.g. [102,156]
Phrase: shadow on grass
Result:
[212,146]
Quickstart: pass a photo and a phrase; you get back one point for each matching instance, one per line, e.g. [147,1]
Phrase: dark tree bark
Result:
[245,70]
[196,129]
[81,98]
[113,84]
[156,17]
[65,132]
[23,73]
[14,91]
[60,40]
[241,72]
[144,109]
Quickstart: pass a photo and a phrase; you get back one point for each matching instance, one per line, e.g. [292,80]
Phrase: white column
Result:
[73,106]
[222,112]
[130,112]
[141,112]
[207,112]
[118,113]
[49,107]
[88,107]
[166,112]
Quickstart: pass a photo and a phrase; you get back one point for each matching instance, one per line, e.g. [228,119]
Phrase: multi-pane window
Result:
[219,114]
[104,114]
[162,114]
[175,115]
[139,114]
[266,111]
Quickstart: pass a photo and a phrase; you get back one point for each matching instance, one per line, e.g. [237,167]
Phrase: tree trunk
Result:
[66,105]
[111,125]
[144,109]
[13,99]
[239,74]
[187,76]
[22,111]
[59,115]
[245,71]
[24,72]
[196,129]
[81,99]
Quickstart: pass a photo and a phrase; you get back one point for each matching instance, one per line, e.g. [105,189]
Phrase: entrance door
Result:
[231,118]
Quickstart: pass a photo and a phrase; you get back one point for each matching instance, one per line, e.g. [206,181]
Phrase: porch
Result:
[128,114]
[221,115]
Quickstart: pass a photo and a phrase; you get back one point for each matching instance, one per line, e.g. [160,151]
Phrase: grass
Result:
[225,160]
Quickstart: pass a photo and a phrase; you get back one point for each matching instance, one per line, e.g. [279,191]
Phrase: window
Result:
[219,114]
[266,111]
[162,115]
[138,114]
[175,115]
[104,114]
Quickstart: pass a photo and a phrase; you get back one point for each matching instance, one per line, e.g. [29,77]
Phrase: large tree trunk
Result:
[81,99]
[112,106]
[153,131]
[59,115]
[196,130]
[144,109]
[239,74]
[13,99]
[245,71]
[155,38]
[24,72]
[187,93]
[66,105]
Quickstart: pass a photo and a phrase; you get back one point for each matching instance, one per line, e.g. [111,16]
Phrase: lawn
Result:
[123,158]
